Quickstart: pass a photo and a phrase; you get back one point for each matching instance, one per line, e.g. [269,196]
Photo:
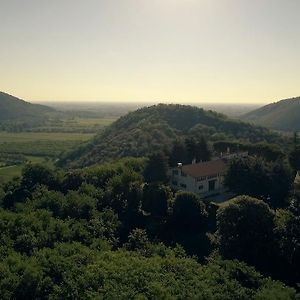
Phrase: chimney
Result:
[193,161]
[179,165]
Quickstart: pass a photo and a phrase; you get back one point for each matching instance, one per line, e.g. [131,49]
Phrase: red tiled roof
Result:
[205,168]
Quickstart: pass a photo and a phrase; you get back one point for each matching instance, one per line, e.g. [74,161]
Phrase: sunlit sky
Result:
[150,50]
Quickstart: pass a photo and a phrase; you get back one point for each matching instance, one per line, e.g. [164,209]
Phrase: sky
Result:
[150,50]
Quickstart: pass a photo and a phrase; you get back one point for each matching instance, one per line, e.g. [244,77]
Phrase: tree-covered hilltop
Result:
[281,115]
[15,109]
[155,128]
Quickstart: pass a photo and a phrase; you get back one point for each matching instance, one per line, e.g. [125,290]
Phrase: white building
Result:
[204,178]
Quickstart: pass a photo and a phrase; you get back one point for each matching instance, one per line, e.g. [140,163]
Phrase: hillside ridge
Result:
[16,109]
[155,128]
[281,115]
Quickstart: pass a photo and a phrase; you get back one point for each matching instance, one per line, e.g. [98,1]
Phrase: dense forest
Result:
[155,128]
[116,231]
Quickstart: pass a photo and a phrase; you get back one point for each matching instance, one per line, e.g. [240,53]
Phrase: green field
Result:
[45,144]
[37,147]
[6,137]
[93,121]
[7,173]
[75,124]
[40,143]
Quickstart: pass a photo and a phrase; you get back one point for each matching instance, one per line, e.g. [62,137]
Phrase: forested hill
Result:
[156,127]
[281,115]
[15,109]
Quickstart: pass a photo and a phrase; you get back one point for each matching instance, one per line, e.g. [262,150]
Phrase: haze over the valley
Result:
[180,51]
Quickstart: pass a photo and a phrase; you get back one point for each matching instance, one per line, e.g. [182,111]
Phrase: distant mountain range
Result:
[156,127]
[15,109]
[282,115]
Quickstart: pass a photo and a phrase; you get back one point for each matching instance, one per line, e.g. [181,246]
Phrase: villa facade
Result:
[204,178]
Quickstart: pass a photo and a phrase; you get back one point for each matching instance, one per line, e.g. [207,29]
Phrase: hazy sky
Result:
[150,50]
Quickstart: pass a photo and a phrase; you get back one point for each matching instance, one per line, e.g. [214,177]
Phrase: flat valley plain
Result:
[44,144]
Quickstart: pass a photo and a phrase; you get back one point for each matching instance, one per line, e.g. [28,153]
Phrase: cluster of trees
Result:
[190,150]
[74,271]
[294,155]
[267,151]
[269,181]
[117,230]
[250,231]
[8,159]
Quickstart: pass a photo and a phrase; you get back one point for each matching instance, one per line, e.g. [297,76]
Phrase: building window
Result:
[174,183]
[183,185]
[175,172]
[201,178]
[200,187]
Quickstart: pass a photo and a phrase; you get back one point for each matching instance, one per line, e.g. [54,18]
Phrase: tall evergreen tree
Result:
[157,168]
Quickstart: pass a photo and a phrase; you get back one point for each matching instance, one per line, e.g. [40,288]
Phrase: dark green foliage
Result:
[155,128]
[280,183]
[287,233]
[245,231]
[189,223]
[189,151]
[103,232]
[189,211]
[121,192]
[294,158]
[178,153]
[203,152]
[270,152]
[247,176]
[196,150]
[72,271]
[156,168]
[33,175]
[156,198]
[72,180]
[137,240]
[270,181]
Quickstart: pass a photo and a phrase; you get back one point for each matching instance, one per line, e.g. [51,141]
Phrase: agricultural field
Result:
[40,144]
[60,133]
[17,149]
[9,172]
[74,124]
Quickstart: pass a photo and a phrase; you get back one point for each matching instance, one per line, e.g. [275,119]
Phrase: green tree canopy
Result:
[189,211]
[245,230]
